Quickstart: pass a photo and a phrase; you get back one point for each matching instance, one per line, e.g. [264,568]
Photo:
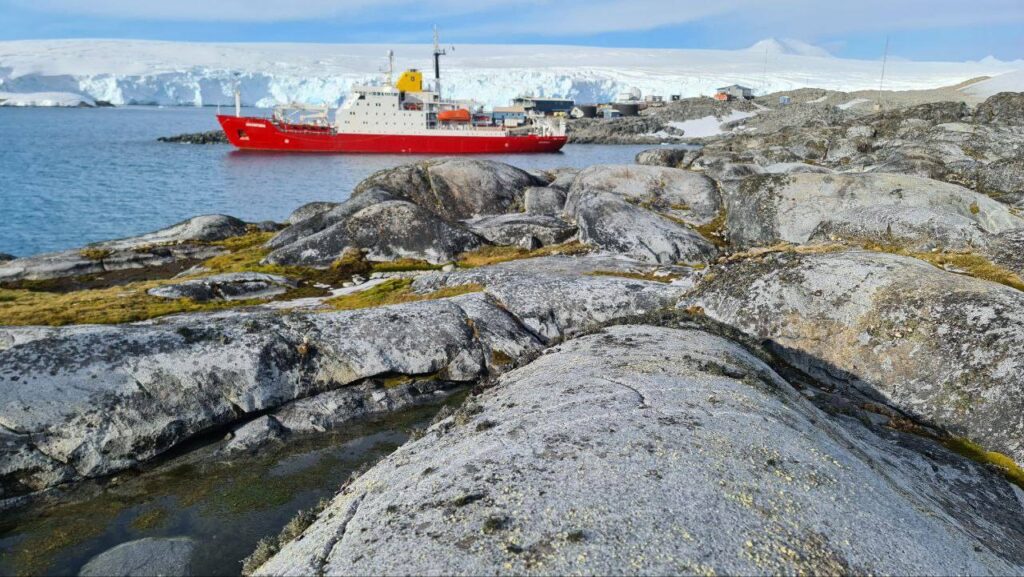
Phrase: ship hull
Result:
[249,133]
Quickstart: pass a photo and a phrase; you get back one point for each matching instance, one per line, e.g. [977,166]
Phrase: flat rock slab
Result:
[941,346]
[768,209]
[513,229]
[185,241]
[227,287]
[654,451]
[149,557]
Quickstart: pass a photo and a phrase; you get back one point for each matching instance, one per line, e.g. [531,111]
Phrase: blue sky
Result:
[919,29]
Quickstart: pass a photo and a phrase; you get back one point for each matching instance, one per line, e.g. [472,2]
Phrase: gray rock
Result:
[667,156]
[227,287]
[606,220]
[167,557]
[315,231]
[631,451]
[914,228]
[255,434]
[557,298]
[937,345]
[185,241]
[455,188]
[563,178]
[310,209]
[544,200]
[793,167]
[772,208]
[1002,108]
[686,195]
[384,229]
[397,229]
[6,257]
[512,229]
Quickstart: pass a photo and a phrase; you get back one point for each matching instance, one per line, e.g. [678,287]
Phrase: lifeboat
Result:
[457,115]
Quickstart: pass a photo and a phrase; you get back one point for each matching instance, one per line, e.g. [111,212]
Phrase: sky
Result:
[954,30]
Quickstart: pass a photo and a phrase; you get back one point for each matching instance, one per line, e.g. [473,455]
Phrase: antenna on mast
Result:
[764,71]
[438,53]
[391,67]
[885,58]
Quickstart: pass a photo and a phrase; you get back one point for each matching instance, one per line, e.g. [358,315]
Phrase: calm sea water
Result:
[73,176]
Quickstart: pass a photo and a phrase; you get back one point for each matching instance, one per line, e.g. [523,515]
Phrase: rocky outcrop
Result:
[314,231]
[455,188]
[667,156]
[382,227]
[183,243]
[519,229]
[227,287]
[608,221]
[397,229]
[1002,108]
[789,208]
[685,195]
[941,140]
[208,137]
[309,210]
[660,438]
[940,346]
[170,557]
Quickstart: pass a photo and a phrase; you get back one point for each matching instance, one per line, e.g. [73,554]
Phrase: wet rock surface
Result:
[142,558]
[640,464]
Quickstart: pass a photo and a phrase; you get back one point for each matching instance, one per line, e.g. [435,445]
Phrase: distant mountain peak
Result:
[789,47]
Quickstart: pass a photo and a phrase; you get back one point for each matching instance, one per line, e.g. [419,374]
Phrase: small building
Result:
[504,115]
[734,92]
[608,113]
[676,97]
[544,106]
[653,98]
[627,108]
[785,100]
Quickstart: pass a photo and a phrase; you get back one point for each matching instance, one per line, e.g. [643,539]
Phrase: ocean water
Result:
[73,176]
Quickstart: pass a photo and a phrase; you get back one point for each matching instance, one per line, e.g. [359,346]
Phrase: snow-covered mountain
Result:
[170,73]
[788,47]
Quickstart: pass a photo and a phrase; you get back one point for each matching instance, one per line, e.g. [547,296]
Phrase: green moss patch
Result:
[489,255]
[395,291]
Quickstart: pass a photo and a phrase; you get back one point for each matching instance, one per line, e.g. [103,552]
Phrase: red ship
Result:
[400,117]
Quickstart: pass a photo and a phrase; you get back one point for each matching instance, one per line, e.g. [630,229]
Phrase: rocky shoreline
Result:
[808,334]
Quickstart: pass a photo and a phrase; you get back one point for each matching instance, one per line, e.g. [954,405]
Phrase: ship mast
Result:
[438,53]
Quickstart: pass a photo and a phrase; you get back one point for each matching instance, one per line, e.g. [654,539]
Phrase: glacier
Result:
[204,74]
